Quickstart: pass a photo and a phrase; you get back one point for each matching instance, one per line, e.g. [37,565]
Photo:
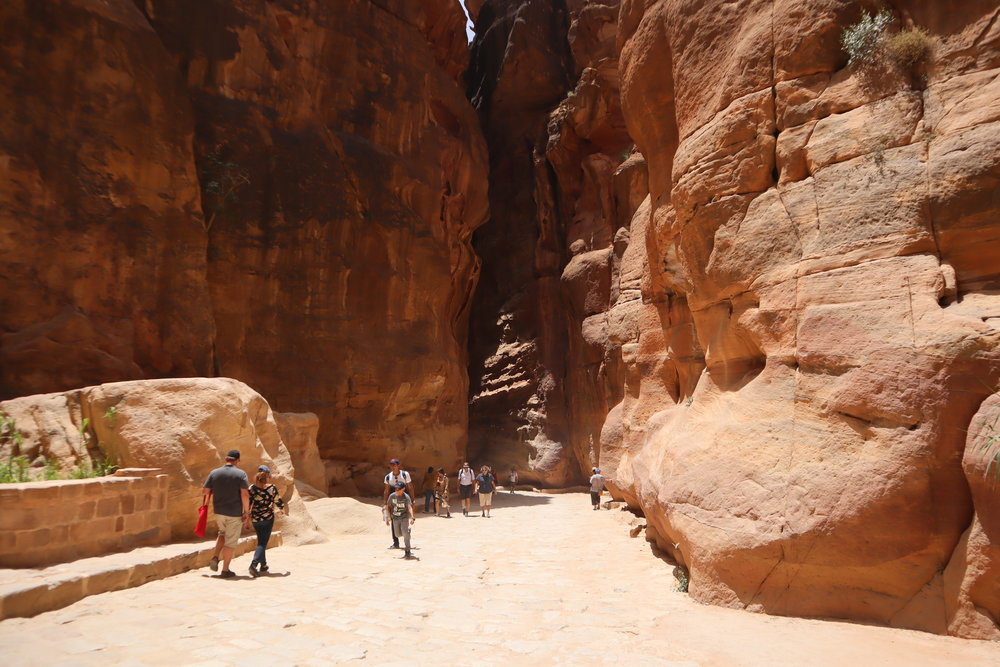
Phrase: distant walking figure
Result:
[441,494]
[395,477]
[597,482]
[512,479]
[399,512]
[228,488]
[485,485]
[466,480]
[263,497]
[430,481]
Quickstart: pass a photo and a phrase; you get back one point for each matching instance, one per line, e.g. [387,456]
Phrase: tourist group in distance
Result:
[239,504]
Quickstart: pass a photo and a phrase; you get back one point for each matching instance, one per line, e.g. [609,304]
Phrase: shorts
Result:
[230,528]
[595,497]
[464,491]
[486,499]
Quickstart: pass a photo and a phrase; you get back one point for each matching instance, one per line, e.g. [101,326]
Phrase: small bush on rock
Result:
[863,40]
[909,47]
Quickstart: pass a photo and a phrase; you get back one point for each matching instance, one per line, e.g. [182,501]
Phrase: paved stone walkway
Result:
[544,581]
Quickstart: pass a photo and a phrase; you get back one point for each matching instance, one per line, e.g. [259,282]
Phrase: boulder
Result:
[181,426]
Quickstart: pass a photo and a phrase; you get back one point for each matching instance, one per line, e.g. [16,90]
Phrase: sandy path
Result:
[545,580]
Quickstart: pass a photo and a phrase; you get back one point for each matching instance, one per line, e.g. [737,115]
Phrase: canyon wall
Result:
[822,241]
[283,193]
[772,320]
[543,369]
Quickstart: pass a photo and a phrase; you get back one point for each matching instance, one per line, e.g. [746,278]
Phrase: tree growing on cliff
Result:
[221,182]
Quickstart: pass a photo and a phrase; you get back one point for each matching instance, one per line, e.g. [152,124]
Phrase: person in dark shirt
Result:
[485,485]
[263,497]
[228,488]
[399,513]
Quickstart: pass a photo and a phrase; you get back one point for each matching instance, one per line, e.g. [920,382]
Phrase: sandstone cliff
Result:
[771,323]
[825,239]
[283,193]
[544,374]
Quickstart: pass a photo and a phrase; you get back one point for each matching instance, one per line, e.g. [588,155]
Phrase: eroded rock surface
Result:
[544,369]
[182,426]
[822,242]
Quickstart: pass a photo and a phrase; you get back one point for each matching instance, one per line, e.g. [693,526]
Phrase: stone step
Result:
[28,592]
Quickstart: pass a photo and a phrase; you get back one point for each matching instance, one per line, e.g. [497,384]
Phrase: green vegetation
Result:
[681,575]
[87,471]
[862,41]
[869,43]
[51,469]
[221,182]
[9,433]
[15,470]
[111,413]
[18,468]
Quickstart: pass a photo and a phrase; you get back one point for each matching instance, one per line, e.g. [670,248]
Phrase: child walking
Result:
[399,512]
[263,496]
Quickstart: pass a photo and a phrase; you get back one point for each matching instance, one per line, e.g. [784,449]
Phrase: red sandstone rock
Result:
[828,237]
[545,373]
[104,273]
[338,275]
[298,432]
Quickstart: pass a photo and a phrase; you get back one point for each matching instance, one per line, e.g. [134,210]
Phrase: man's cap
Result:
[465,465]
[263,468]
[394,462]
[233,454]
[400,486]
[597,470]
[594,470]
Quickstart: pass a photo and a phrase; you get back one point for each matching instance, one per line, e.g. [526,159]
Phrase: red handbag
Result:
[199,528]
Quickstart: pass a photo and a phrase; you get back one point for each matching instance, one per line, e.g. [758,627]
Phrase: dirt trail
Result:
[544,581]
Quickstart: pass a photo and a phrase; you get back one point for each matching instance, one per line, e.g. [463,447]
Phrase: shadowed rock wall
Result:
[544,370]
[325,255]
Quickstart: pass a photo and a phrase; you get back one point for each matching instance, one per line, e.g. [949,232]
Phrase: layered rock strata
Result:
[821,240]
[281,193]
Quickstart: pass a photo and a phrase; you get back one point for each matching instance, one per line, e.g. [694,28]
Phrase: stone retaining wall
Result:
[51,522]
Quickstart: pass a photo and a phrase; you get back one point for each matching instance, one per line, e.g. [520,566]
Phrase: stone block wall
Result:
[56,521]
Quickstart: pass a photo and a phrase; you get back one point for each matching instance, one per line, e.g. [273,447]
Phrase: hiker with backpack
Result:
[466,480]
[399,514]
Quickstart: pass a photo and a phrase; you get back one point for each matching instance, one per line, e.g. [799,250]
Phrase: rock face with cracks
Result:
[284,193]
[819,313]
[543,363]
[183,426]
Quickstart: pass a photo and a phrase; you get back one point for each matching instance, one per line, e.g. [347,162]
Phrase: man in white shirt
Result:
[597,482]
[466,479]
[395,477]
